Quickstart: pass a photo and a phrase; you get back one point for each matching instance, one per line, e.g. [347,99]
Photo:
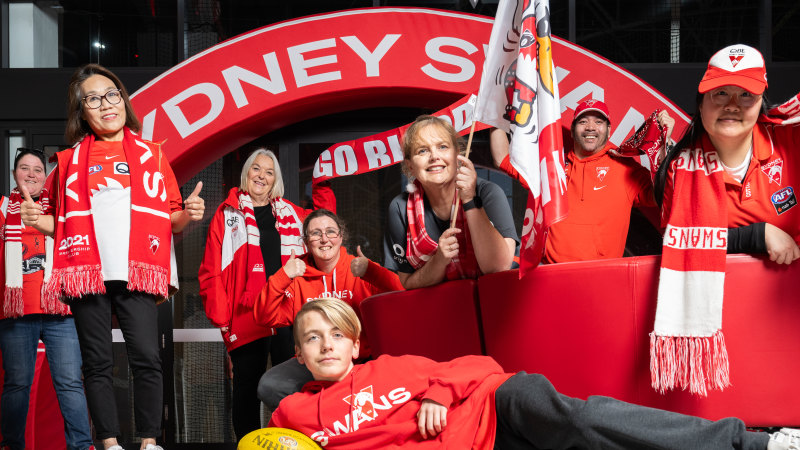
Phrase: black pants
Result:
[249,363]
[138,320]
[531,414]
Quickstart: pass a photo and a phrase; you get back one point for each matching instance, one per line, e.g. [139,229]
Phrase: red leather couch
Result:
[585,326]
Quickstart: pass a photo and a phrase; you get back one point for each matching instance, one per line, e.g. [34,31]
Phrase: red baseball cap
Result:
[736,65]
[589,106]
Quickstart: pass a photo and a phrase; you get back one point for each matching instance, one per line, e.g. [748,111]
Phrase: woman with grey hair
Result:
[251,236]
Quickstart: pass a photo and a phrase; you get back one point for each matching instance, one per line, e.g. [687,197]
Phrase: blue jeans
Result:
[19,339]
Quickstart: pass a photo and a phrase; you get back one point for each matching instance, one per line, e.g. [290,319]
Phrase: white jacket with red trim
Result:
[223,272]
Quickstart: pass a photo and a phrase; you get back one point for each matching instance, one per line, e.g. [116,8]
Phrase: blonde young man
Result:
[469,402]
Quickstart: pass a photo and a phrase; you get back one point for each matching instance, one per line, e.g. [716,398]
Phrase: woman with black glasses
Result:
[115,205]
[327,270]
[30,313]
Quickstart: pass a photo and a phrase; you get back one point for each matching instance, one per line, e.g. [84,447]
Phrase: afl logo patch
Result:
[783,200]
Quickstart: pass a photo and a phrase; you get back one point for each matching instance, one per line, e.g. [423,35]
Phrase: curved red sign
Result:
[285,73]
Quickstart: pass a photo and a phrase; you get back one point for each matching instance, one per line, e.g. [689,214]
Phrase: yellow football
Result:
[274,438]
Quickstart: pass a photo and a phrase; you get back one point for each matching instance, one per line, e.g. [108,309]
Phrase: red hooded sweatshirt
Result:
[601,190]
[376,404]
[283,297]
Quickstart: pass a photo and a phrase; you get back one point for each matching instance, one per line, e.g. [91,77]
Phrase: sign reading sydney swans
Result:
[285,73]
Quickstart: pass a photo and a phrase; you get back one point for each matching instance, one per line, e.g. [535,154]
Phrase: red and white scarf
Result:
[13,302]
[77,267]
[256,278]
[420,247]
[289,228]
[687,347]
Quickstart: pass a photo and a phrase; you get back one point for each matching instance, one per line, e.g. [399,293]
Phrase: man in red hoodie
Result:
[602,187]
[325,271]
[469,402]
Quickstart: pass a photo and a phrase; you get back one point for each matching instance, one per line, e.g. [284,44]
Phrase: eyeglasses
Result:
[94,101]
[330,233]
[744,99]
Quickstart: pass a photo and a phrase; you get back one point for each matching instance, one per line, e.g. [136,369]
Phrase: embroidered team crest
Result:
[602,172]
[364,407]
[735,59]
[95,168]
[773,170]
[155,242]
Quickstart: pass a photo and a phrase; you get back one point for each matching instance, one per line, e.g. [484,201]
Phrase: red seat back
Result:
[440,322]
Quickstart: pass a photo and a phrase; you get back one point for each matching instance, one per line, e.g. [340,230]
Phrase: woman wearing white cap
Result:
[728,185]
[758,168]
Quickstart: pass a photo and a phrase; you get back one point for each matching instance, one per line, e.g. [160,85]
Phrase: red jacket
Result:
[769,190]
[376,405]
[220,285]
[601,190]
[283,297]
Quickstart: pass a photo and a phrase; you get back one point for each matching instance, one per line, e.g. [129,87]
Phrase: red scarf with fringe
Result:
[687,346]
[13,301]
[76,263]
[420,247]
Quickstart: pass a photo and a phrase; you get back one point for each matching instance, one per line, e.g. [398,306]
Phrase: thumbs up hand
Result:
[29,210]
[294,267]
[194,205]
[358,266]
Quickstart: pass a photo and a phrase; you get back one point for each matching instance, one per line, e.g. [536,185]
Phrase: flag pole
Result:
[457,202]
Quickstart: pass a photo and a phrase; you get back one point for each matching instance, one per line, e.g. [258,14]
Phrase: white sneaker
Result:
[115,447]
[785,439]
[153,447]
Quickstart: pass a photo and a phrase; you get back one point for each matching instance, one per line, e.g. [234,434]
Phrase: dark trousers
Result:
[138,320]
[249,363]
[531,414]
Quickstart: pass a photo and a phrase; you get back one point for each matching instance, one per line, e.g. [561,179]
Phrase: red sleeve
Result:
[455,380]
[642,187]
[506,167]
[323,197]
[173,190]
[212,288]
[278,303]
[666,202]
[51,184]
[381,279]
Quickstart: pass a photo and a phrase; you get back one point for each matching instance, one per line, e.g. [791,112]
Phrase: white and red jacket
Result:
[376,404]
[223,273]
[283,297]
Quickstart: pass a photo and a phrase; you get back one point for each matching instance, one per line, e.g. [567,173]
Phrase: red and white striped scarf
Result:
[256,277]
[13,302]
[76,264]
[687,347]
[420,247]
[290,228]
